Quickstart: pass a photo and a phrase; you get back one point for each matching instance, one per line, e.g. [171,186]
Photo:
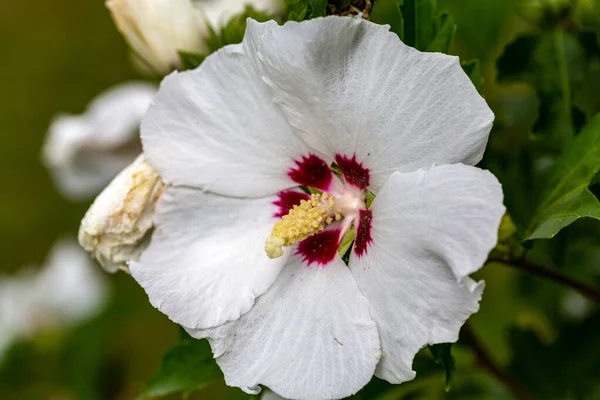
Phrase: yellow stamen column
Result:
[306,219]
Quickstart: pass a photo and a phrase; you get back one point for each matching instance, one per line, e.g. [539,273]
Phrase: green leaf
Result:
[369,197]
[443,39]
[185,368]
[301,10]
[442,354]
[482,25]
[473,70]
[233,31]
[316,8]
[417,22]
[341,4]
[567,197]
[387,12]
[191,60]
[553,63]
[420,20]
[586,96]
[346,242]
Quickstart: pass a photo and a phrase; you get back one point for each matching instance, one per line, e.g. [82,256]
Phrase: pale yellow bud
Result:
[116,227]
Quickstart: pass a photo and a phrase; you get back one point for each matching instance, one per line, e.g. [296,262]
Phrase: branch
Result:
[589,291]
[485,360]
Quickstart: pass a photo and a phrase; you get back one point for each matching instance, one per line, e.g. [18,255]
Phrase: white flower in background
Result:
[69,286]
[234,140]
[157,30]
[66,291]
[218,12]
[116,227]
[17,306]
[84,152]
[575,306]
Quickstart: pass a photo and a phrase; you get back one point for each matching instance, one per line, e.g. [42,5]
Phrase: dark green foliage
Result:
[339,4]
[552,61]
[233,31]
[300,10]
[566,368]
[185,368]
[442,354]
[190,60]
[418,23]
[230,33]
[567,197]
[473,69]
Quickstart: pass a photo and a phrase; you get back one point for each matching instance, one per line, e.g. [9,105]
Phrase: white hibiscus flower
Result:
[84,152]
[157,30]
[66,291]
[237,137]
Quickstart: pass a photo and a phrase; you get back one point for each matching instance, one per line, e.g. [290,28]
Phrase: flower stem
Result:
[589,291]
[485,360]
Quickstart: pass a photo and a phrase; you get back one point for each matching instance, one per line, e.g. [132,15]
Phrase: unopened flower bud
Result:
[117,226]
[156,30]
[85,152]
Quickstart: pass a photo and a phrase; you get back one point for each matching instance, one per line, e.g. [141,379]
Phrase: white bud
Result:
[156,30]
[219,12]
[84,152]
[117,226]
[67,290]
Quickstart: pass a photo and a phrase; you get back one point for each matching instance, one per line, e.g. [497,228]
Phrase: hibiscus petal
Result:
[206,262]
[217,128]
[309,337]
[350,87]
[429,229]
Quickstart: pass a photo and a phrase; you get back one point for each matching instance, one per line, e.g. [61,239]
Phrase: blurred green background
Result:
[57,55]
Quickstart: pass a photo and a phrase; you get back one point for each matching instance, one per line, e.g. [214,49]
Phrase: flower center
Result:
[303,220]
[311,216]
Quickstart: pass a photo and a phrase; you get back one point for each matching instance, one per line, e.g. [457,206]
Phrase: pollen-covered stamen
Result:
[309,217]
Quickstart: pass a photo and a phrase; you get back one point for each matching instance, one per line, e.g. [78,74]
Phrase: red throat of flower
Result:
[315,224]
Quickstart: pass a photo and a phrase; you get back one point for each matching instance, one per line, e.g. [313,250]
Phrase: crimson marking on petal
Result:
[287,200]
[353,171]
[311,171]
[363,232]
[320,248]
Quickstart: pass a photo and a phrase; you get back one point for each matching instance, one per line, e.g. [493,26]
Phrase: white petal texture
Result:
[273,112]
[350,86]
[206,262]
[217,127]
[309,337]
[430,228]
[84,152]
